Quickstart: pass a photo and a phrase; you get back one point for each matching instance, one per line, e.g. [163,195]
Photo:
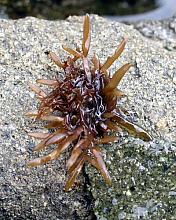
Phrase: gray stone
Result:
[163,31]
[32,193]
[142,173]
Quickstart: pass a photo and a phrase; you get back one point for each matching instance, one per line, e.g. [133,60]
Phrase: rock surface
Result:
[143,173]
[162,31]
[32,193]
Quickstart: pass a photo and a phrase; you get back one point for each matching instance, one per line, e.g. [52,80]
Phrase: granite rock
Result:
[163,31]
[143,173]
[32,193]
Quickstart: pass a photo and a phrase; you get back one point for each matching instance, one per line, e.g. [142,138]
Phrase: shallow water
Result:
[52,10]
[166,9]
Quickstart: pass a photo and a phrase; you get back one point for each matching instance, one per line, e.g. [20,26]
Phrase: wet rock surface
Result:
[143,173]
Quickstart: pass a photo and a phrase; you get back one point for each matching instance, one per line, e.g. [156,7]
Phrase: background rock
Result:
[162,31]
[142,173]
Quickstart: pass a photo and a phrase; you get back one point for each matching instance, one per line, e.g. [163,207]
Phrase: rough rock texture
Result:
[162,31]
[144,184]
[143,173]
[32,193]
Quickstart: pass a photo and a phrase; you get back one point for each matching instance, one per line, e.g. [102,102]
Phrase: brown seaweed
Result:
[82,110]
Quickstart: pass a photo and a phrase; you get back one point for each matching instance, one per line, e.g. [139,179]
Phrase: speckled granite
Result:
[163,31]
[32,193]
[143,173]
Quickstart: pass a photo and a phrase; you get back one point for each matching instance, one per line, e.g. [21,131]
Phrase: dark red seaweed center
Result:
[81,102]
